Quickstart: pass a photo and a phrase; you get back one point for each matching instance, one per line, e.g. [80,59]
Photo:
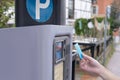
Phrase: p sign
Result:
[40,10]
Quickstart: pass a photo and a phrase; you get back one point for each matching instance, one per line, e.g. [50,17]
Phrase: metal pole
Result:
[105,39]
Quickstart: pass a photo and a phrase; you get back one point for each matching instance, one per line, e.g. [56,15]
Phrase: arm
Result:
[107,75]
[92,66]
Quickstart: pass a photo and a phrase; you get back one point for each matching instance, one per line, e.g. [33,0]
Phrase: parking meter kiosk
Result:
[36,53]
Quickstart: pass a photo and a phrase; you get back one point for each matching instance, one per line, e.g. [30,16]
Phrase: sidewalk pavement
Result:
[114,63]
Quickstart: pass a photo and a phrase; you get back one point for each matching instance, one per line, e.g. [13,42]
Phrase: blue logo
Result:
[40,10]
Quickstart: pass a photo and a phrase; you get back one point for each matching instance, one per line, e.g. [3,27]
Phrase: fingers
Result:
[87,57]
[82,64]
[90,59]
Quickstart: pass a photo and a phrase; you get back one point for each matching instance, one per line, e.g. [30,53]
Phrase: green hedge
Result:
[80,30]
[84,30]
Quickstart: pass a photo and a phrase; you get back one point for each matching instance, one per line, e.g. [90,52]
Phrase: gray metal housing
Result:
[26,53]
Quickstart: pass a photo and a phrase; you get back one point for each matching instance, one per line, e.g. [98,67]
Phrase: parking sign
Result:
[40,10]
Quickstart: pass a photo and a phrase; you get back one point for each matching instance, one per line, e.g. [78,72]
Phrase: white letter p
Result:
[41,5]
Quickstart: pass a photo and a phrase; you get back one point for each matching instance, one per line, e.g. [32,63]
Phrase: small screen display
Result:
[59,50]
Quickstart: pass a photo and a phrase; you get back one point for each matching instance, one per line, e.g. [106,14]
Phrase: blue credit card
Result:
[79,51]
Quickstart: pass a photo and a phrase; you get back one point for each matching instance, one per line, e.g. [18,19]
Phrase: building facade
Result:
[101,7]
[77,9]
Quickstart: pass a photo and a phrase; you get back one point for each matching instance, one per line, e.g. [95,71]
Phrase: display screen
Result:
[59,50]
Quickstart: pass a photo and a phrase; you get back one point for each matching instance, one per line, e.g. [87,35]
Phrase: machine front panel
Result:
[61,58]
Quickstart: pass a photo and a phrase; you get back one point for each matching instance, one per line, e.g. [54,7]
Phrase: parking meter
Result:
[36,53]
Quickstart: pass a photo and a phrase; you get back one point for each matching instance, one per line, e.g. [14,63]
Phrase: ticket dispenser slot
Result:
[61,58]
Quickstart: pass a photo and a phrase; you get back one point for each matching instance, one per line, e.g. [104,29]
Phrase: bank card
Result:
[79,51]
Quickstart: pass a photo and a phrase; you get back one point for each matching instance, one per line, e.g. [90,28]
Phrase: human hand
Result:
[93,67]
[90,65]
